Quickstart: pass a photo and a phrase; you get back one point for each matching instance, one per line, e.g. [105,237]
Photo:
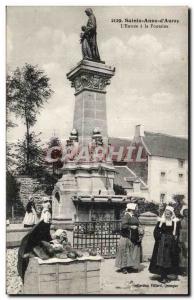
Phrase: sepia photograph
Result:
[97,150]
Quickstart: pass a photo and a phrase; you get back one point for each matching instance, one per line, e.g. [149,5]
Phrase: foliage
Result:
[37,167]
[35,155]
[55,153]
[10,161]
[179,202]
[54,141]
[148,207]
[12,194]
[9,123]
[28,88]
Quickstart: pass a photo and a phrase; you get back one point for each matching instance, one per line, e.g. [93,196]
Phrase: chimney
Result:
[139,132]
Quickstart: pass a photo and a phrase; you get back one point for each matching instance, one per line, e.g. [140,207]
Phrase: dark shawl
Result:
[127,231]
[40,232]
[165,257]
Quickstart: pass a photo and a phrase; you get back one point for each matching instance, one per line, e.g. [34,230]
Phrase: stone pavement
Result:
[140,283]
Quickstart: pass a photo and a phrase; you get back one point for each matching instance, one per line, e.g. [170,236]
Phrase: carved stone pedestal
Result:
[90,79]
[80,180]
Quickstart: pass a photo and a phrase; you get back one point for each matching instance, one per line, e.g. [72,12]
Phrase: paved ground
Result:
[143,282]
[111,281]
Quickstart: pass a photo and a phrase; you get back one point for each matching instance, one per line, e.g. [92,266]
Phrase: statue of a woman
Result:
[86,52]
[88,37]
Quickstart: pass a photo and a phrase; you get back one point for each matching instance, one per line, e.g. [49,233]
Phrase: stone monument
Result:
[87,187]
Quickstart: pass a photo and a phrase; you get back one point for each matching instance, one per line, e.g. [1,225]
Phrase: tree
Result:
[12,196]
[28,88]
[33,152]
[9,125]
[54,141]
[38,168]
[55,153]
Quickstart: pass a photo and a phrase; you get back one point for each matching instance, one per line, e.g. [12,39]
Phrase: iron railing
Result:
[102,236]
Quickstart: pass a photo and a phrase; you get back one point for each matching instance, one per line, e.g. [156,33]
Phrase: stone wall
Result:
[30,186]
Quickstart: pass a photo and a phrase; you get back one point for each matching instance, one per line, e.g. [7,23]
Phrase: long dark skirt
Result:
[165,257]
[128,254]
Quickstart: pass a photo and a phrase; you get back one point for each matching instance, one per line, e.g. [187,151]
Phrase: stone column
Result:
[90,79]
[148,220]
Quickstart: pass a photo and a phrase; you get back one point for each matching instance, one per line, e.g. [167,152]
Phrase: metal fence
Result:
[102,236]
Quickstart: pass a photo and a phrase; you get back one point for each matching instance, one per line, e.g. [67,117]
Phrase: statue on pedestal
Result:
[88,38]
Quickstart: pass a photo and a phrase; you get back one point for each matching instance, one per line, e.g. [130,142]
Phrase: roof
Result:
[119,141]
[123,172]
[164,145]
[101,199]
[125,177]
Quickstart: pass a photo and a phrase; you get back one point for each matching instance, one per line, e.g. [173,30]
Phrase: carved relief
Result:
[90,81]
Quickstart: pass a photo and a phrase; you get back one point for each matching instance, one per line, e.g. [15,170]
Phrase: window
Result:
[163,176]
[181,163]
[162,197]
[181,177]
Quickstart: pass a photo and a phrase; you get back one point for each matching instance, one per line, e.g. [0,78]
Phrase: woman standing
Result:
[165,257]
[30,218]
[128,256]
[46,209]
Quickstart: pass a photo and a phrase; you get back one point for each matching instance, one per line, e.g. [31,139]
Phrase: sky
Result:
[150,86]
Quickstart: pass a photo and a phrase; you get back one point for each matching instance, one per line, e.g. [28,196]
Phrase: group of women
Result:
[170,253]
[31,218]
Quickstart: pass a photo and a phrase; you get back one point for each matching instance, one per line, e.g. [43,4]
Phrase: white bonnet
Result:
[170,208]
[131,206]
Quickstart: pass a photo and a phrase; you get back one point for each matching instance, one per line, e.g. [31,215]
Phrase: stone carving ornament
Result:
[90,81]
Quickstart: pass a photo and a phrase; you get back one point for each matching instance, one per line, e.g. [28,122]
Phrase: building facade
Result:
[164,171]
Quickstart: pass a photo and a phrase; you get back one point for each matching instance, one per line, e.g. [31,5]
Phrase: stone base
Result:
[63,277]
[148,220]
[63,224]
[79,180]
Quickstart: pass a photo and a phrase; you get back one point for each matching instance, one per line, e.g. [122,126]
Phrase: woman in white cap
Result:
[128,255]
[183,240]
[165,257]
[30,218]
[46,210]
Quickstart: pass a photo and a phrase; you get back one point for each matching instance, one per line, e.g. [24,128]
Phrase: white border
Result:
[3,4]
